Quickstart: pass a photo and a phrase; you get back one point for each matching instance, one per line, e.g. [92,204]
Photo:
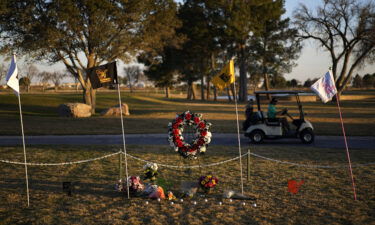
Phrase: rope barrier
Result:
[307,165]
[61,164]
[184,167]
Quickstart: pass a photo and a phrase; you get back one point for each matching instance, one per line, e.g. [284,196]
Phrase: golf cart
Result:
[263,128]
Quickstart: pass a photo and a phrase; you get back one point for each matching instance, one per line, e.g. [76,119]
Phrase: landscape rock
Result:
[76,110]
[115,110]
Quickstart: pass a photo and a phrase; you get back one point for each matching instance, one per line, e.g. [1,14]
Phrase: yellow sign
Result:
[102,75]
[225,77]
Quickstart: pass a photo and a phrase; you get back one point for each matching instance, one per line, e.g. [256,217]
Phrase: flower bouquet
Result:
[135,185]
[120,186]
[207,183]
[150,171]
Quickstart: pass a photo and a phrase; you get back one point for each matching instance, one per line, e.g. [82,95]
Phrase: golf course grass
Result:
[150,113]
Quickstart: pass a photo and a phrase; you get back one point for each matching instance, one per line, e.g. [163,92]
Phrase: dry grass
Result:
[325,198]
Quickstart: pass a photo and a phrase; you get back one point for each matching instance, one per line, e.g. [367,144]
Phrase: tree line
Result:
[189,42]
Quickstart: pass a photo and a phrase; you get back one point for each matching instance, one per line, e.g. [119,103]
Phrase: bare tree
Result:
[56,78]
[3,72]
[133,74]
[344,28]
[31,72]
[44,78]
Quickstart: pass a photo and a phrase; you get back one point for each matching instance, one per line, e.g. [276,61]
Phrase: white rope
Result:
[173,166]
[60,164]
[185,167]
[307,165]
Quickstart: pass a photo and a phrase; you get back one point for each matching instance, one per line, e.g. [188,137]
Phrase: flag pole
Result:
[24,149]
[346,146]
[238,134]
[123,137]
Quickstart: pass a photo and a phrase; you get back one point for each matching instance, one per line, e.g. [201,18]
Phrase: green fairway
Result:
[150,113]
[326,196]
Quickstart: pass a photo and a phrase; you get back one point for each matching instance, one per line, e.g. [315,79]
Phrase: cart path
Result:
[230,139]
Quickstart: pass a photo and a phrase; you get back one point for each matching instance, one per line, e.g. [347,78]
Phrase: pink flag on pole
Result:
[325,87]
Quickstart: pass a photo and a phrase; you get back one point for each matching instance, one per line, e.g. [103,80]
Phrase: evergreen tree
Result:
[275,49]
[240,21]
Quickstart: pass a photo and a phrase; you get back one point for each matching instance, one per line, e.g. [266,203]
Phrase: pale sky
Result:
[313,62]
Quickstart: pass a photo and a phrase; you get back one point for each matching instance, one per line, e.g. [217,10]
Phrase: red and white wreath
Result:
[202,134]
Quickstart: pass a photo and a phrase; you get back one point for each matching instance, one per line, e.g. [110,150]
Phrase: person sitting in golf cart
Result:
[249,114]
[272,113]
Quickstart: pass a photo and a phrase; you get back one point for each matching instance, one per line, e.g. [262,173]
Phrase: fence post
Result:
[248,165]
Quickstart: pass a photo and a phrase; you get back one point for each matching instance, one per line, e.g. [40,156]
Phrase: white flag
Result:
[325,87]
[12,79]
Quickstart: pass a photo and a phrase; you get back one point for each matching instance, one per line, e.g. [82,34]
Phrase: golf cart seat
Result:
[274,122]
[268,122]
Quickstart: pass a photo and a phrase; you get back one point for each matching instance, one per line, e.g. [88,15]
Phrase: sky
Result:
[313,61]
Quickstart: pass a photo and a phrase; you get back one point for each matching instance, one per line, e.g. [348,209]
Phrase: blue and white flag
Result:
[11,78]
[325,87]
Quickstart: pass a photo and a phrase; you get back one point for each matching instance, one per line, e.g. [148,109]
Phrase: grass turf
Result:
[151,113]
[325,198]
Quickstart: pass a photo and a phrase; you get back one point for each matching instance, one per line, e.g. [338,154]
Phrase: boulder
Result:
[76,110]
[115,110]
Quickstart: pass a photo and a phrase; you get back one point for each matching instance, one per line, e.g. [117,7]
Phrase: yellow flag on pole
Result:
[225,77]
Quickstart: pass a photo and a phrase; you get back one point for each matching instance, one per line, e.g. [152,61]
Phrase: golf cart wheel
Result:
[307,136]
[257,136]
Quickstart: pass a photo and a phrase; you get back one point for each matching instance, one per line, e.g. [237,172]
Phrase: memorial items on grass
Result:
[150,171]
[202,134]
[207,183]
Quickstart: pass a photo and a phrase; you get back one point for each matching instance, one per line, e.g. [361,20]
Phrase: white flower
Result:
[202,149]
[152,166]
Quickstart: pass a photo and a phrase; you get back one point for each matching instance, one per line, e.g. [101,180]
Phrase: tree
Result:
[240,21]
[344,28]
[83,34]
[133,73]
[44,78]
[25,82]
[3,72]
[31,71]
[368,80]
[294,83]
[56,78]
[275,49]
[200,45]
[309,82]
[357,81]
[278,81]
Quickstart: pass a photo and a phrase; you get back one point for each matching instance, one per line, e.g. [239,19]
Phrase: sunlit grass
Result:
[150,113]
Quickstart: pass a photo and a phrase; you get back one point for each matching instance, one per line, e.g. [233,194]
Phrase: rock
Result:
[75,110]
[115,110]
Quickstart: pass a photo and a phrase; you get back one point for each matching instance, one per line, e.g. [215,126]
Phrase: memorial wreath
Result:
[202,134]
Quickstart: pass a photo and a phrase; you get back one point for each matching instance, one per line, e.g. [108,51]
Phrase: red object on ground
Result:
[293,186]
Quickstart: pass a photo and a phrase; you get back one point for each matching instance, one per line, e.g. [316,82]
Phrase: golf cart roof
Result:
[283,92]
